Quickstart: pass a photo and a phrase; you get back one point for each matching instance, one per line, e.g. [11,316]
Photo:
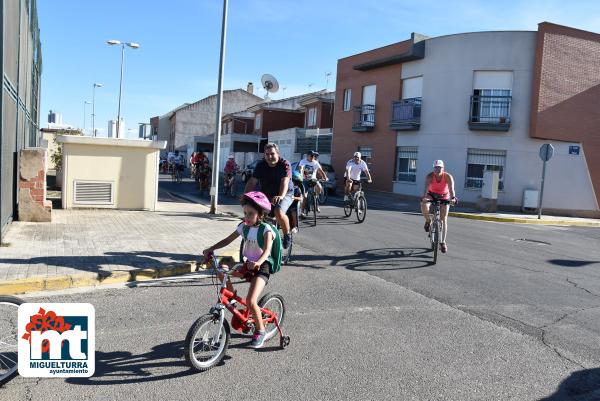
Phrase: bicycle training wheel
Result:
[9,307]
[348,208]
[361,208]
[273,302]
[206,342]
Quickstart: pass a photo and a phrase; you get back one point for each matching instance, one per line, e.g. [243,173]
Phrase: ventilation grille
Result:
[93,193]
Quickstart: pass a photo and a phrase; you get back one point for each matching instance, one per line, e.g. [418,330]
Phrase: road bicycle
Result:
[357,202]
[177,173]
[9,307]
[312,201]
[437,225]
[207,340]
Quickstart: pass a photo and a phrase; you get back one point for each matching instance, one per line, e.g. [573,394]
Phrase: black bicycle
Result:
[437,225]
[9,307]
[312,200]
[357,202]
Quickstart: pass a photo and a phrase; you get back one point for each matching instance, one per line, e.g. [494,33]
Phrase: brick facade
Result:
[33,205]
[566,91]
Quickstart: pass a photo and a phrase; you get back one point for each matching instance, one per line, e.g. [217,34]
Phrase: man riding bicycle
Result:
[308,168]
[176,161]
[354,168]
[440,185]
[274,174]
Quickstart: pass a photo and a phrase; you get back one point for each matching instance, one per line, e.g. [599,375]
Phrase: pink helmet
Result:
[260,199]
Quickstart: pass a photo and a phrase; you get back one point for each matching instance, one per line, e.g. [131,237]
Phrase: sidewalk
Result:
[397,202]
[91,247]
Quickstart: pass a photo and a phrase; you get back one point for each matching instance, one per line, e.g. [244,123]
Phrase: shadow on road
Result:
[572,262]
[371,259]
[580,385]
[123,367]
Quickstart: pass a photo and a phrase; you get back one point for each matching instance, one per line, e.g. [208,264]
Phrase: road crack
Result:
[574,284]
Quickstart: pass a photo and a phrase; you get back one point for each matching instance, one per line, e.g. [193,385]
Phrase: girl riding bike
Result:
[256,207]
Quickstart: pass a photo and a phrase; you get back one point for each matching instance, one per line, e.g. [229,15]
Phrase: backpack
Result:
[275,258]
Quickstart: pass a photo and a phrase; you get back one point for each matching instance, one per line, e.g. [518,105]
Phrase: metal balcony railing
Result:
[490,113]
[406,114]
[364,118]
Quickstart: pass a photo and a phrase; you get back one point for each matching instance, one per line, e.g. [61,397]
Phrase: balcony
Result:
[406,114]
[364,118]
[490,113]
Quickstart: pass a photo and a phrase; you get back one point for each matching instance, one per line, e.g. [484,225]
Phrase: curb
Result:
[37,284]
[521,220]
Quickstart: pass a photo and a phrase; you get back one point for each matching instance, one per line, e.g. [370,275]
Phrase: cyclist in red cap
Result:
[256,206]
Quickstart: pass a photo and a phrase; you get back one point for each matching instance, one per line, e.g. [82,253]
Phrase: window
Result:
[347,99]
[406,163]
[491,105]
[367,155]
[312,117]
[481,160]
[257,121]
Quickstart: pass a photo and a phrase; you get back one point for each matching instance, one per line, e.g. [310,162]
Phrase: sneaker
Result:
[294,230]
[286,240]
[443,248]
[426,227]
[346,199]
[258,339]
[318,209]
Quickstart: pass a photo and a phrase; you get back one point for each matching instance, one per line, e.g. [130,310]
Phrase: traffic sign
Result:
[546,152]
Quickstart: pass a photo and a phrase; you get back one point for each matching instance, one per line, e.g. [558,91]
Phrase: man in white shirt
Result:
[308,168]
[354,168]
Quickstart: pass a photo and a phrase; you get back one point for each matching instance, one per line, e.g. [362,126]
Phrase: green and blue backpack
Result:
[275,257]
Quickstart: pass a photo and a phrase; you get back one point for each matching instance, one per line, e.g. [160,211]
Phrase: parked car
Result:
[249,170]
[331,185]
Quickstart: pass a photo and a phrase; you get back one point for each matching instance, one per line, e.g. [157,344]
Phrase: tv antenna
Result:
[270,84]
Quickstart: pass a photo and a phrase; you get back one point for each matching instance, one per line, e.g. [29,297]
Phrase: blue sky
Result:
[297,41]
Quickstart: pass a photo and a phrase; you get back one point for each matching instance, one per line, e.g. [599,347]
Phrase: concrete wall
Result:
[131,165]
[198,119]
[447,71]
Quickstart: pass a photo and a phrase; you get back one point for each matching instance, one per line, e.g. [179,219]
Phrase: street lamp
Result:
[133,45]
[84,103]
[94,107]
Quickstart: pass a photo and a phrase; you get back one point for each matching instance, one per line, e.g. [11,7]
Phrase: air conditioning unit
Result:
[93,193]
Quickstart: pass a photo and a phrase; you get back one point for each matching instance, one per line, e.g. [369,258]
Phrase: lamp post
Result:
[84,103]
[214,190]
[133,45]
[94,107]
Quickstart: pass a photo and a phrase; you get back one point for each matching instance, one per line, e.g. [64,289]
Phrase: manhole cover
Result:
[532,241]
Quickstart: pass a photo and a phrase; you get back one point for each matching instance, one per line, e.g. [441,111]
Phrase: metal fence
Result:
[21,69]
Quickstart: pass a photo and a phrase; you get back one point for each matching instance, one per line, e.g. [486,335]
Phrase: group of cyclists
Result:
[280,190]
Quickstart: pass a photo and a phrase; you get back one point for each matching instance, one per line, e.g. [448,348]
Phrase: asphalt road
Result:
[511,312]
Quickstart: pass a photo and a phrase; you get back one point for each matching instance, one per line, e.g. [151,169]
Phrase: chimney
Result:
[250,88]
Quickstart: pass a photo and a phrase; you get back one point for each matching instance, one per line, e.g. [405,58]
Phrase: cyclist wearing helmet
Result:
[257,269]
[439,184]
[274,176]
[309,167]
[293,211]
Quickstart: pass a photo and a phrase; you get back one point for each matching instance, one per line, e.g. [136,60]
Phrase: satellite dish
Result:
[269,82]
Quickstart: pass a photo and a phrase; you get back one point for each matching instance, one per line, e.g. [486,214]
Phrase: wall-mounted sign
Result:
[573,149]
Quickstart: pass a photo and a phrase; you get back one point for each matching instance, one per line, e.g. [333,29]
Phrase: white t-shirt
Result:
[356,169]
[251,249]
[310,168]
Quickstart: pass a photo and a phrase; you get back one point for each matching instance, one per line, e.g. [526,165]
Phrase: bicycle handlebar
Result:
[220,269]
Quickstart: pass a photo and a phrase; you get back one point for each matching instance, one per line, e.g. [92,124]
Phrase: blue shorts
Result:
[286,202]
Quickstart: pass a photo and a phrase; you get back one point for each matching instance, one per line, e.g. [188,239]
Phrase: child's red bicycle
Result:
[207,340]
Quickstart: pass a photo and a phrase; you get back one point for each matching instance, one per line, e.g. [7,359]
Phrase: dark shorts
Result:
[263,273]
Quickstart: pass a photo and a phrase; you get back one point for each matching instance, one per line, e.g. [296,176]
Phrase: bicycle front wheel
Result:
[314,210]
[274,303]
[435,240]
[9,307]
[361,208]
[206,342]
[286,254]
